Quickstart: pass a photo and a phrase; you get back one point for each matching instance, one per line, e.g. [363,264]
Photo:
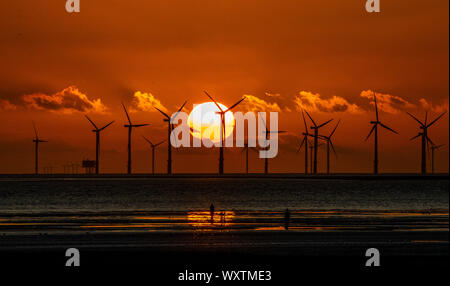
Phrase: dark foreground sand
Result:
[285,253]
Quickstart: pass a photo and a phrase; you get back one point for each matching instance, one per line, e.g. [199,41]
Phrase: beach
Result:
[140,221]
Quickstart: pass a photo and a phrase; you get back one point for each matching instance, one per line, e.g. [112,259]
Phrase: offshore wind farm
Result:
[295,137]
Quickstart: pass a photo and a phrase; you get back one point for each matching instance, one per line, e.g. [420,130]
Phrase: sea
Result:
[47,205]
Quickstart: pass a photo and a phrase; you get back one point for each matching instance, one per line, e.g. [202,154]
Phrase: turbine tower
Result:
[130,127]
[433,148]
[246,148]
[36,141]
[305,141]
[425,139]
[168,119]
[316,138]
[153,146]
[97,142]
[375,128]
[222,128]
[268,132]
[330,143]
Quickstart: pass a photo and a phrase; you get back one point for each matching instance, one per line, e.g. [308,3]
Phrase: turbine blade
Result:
[434,121]
[301,145]
[323,124]
[254,149]
[236,104]
[418,135]
[95,126]
[35,130]
[278,132]
[426,117]
[334,129]
[415,118]
[332,148]
[215,102]
[126,112]
[104,127]
[145,138]
[163,113]
[388,128]
[178,111]
[264,122]
[160,143]
[311,118]
[429,140]
[304,121]
[376,105]
[139,125]
[439,146]
[371,131]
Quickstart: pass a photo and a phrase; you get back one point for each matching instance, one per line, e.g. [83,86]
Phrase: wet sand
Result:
[290,256]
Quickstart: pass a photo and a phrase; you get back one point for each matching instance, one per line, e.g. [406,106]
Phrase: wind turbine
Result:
[268,132]
[425,139]
[316,138]
[311,151]
[153,146]
[433,148]
[130,127]
[222,128]
[305,141]
[168,119]
[36,141]
[375,128]
[330,143]
[97,141]
[246,148]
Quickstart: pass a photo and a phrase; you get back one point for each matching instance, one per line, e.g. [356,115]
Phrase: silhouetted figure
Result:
[222,218]
[287,218]
[211,211]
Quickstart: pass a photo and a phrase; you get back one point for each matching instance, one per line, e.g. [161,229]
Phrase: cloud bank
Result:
[69,100]
[315,103]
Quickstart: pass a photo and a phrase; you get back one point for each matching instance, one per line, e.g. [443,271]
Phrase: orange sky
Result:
[286,54]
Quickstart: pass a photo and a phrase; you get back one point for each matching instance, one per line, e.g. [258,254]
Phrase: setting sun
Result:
[204,121]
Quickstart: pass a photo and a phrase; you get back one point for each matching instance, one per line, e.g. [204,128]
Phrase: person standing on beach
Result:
[287,218]
[211,211]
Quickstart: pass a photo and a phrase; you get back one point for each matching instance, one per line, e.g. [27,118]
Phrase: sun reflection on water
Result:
[204,219]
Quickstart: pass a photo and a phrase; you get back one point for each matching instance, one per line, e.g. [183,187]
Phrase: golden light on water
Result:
[205,122]
[204,219]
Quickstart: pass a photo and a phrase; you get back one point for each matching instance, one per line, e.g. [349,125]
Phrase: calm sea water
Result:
[106,195]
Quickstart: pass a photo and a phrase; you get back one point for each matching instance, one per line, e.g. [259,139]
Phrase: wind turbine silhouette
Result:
[130,127]
[97,142]
[305,141]
[330,143]
[36,141]
[375,128]
[246,148]
[222,128]
[433,148]
[316,138]
[425,139]
[153,146]
[268,132]
[170,126]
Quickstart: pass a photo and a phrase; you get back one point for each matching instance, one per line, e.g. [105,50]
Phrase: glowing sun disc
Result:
[205,122]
